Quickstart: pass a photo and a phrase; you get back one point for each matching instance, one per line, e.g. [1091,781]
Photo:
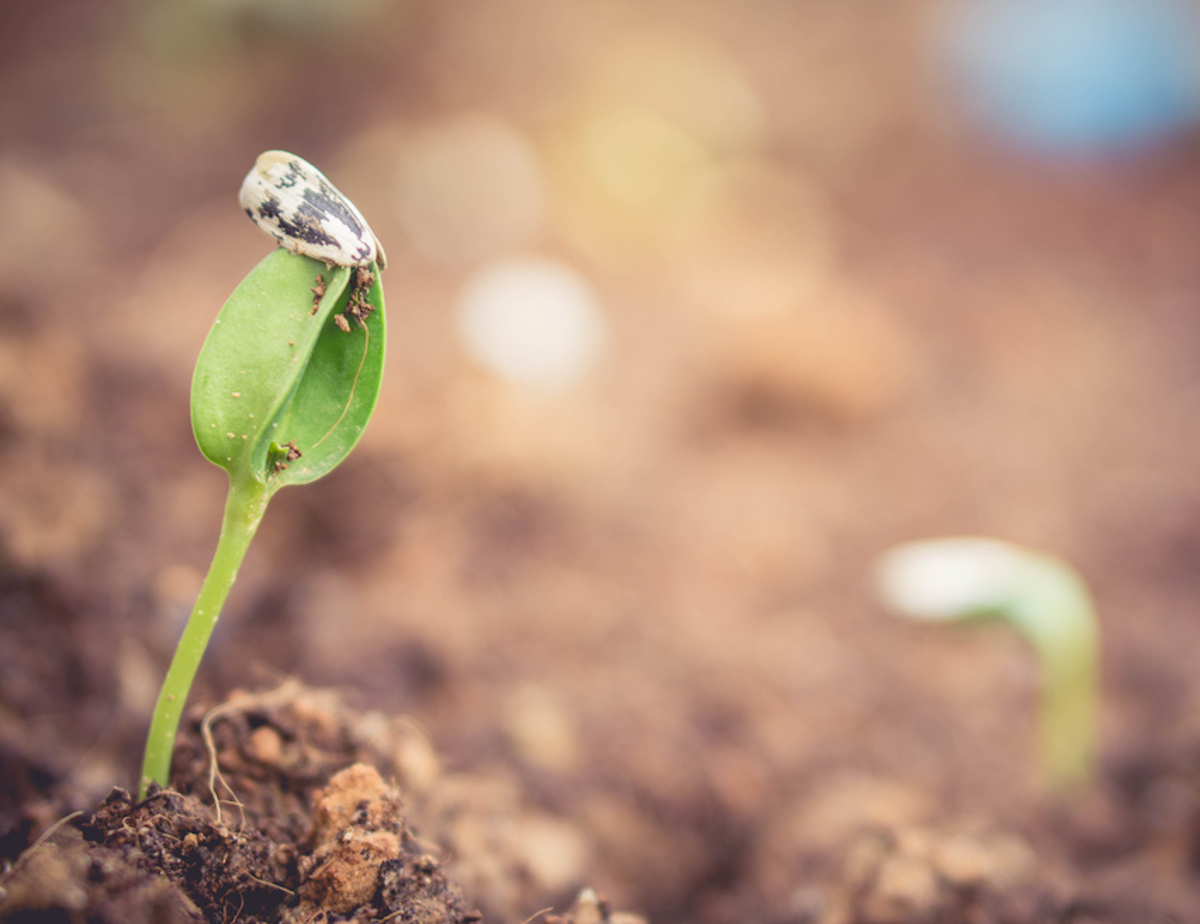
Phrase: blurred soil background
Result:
[826,311]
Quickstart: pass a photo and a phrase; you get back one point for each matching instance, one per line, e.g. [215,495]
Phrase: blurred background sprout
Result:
[1044,598]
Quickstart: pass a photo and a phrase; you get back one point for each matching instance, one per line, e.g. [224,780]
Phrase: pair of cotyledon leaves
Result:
[281,393]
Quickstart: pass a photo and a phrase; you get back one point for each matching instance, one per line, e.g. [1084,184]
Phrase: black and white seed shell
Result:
[293,202]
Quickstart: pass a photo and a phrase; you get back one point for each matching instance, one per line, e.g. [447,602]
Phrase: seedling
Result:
[282,390]
[942,580]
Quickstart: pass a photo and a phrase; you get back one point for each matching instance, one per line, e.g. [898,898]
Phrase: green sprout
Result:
[943,580]
[282,391]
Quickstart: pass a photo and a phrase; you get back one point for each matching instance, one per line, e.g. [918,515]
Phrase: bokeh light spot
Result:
[533,321]
[1077,76]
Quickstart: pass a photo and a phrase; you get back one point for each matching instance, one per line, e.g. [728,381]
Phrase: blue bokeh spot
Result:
[1078,76]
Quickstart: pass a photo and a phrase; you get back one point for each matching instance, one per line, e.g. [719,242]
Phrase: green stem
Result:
[243,512]
[1058,618]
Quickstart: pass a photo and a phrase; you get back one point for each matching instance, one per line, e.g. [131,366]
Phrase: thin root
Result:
[537,914]
[270,885]
[42,839]
[242,704]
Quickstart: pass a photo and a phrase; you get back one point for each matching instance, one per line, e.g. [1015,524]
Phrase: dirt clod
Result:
[358,826]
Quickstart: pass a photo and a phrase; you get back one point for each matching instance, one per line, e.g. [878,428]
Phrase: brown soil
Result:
[291,852]
[619,638]
[295,829]
[282,816]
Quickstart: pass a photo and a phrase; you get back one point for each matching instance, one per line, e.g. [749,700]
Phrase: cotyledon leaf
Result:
[272,372]
[333,400]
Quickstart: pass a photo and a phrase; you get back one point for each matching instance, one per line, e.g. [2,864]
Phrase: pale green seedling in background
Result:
[943,580]
[283,389]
